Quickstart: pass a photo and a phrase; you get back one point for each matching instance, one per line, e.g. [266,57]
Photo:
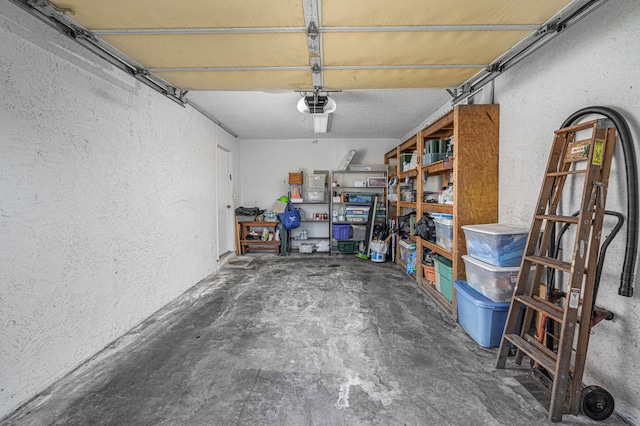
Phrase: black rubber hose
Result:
[603,251]
[601,256]
[631,167]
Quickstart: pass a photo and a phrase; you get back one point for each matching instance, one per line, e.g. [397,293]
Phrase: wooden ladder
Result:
[573,309]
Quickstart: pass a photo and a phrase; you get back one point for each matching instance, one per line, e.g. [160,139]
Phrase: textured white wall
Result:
[597,62]
[267,162]
[107,204]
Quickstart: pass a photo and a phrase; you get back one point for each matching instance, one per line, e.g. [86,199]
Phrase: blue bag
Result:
[290,218]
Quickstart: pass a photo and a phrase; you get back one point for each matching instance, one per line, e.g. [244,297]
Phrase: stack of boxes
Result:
[357,213]
[492,264]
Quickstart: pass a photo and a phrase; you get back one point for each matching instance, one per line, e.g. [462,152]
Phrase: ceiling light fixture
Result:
[319,107]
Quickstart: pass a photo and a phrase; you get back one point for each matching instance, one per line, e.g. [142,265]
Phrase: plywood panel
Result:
[120,14]
[214,50]
[397,78]
[476,166]
[336,13]
[239,80]
[418,48]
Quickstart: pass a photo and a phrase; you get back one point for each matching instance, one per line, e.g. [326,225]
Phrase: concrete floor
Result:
[297,340]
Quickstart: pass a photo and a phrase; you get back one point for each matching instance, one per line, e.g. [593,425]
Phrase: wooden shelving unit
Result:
[473,169]
[246,245]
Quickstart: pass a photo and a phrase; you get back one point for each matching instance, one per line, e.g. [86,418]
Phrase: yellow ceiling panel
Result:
[121,14]
[239,80]
[397,78]
[362,13]
[214,50]
[417,48]
[172,38]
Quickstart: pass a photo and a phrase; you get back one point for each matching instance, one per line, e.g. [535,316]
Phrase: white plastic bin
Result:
[315,195]
[496,244]
[316,181]
[494,282]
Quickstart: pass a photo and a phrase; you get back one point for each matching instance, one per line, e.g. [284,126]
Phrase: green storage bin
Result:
[444,276]
[432,146]
[346,246]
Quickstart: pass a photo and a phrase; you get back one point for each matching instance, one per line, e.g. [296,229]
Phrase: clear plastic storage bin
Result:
[496,244]
[315,195]
[406,248]
[316,181]
[444,230]
[359,232]
[494,282]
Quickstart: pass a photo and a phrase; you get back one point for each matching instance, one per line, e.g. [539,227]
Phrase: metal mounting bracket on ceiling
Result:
[312,30]
[314,40]
[495,67]
[553,27]
[47,4]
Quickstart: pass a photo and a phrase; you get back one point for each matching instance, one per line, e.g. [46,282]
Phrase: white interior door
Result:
[226,223]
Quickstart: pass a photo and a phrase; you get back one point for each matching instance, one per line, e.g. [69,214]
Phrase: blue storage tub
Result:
[481,318]
[341,231]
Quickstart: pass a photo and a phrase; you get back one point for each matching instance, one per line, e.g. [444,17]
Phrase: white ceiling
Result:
[359,113]
[243,63]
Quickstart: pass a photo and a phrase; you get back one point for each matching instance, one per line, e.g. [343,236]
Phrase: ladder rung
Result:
[552,336]
[577,127]
[554,218]
[568,172]
[550,262]
[545,350]
[534,350]
[550,310]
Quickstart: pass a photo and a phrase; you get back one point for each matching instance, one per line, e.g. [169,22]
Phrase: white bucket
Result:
[377,256]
